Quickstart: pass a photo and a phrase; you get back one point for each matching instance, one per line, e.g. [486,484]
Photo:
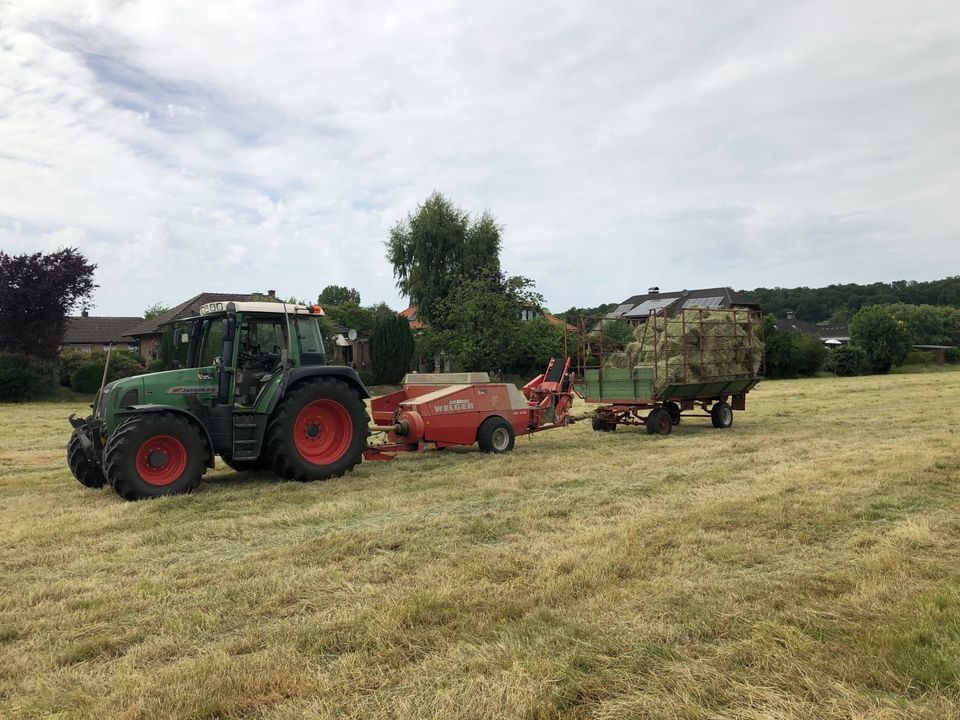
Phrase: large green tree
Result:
[338,295]
[884,339]
[438,246]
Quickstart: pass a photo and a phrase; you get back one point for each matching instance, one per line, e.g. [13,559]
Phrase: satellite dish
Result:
[352,334]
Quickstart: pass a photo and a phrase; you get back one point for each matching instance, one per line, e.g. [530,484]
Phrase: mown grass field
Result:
[804,564]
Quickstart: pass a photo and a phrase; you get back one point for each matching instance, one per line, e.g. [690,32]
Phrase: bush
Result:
[156,366]
[811,354]
[884,339]
[952,355]
[90,374]
[848,360]
[366,377]
[19,380]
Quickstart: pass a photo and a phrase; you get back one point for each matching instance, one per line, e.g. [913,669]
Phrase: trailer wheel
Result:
[659,422]
[721,414]
[495,436]
[155,454]
[601,425]
[674,410]
[88,474]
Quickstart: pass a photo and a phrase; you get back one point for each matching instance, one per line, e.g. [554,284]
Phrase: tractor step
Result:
[247,435]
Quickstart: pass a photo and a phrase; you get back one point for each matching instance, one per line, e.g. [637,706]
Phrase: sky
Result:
[247,145]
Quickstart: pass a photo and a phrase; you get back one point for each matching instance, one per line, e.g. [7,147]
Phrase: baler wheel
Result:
[495,436]
[83,470]
[155,454]
[659,422]
[319,431]
[721,414]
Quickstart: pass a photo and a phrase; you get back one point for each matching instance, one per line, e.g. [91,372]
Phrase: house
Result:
[831,335]
[95,334]
[148,333]
[638,308]
[411,315]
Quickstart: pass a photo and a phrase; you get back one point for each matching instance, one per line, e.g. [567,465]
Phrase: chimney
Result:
[653,291]
[789,314]
[84,313]
[271,293]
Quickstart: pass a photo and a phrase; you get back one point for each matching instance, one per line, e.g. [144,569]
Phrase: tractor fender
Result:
[139,409]
[303,372]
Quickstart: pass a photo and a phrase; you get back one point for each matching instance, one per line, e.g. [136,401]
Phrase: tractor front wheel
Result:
[319,431]
[155,454]
[83,470]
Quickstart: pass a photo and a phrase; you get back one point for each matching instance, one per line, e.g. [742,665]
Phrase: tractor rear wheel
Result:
[659,422]
[495,436]
[155,454]
[319,431]
[721,414]
[83,470]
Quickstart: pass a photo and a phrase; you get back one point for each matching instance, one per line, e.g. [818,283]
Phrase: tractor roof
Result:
[267,308]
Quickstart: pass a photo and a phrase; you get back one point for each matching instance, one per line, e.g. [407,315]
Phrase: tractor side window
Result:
[212,343]
[308,332]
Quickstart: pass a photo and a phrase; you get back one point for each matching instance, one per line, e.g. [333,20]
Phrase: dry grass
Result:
[801,565]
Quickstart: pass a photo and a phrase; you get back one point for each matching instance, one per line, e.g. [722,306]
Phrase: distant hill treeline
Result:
[838,303]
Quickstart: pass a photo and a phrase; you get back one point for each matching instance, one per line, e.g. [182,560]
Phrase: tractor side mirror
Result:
[218,363]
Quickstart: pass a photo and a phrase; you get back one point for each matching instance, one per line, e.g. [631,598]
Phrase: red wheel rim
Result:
[322,432]
[161,460]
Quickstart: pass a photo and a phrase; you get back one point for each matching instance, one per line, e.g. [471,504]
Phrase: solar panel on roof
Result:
[648,306]
[621,310]
[706,302]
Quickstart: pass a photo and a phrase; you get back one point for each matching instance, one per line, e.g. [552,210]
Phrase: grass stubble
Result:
[803,564]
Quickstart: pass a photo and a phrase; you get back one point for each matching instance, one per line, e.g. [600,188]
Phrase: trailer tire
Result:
[319,431]
[601,425]
[721,415]
[496,436]
[88,474]
[659,422]
[674,410]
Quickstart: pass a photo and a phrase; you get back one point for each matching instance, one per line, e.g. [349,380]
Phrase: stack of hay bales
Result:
[696,346]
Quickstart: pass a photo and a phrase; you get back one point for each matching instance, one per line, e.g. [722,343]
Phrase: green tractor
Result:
[255,389]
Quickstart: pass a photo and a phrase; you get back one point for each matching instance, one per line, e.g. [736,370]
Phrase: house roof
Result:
[640,306]
[93,330]
[189,308]
[411,315]
[554,320]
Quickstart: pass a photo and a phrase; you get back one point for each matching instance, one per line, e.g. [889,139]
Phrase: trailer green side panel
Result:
[616,384]
[707,390]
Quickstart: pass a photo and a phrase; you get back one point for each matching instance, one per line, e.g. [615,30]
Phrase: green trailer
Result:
[696,361]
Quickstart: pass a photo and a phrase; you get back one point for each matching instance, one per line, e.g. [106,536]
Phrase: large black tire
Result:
[659,422]
[721,415]
[83,470]
[495,435]
[155,454]
[601,425]
[674,410]
[319,431]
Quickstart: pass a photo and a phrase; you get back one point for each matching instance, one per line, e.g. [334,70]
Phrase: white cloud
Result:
[237,146]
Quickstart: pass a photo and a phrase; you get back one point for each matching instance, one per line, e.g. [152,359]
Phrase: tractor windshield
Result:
[212,342]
